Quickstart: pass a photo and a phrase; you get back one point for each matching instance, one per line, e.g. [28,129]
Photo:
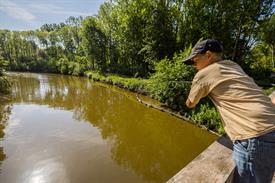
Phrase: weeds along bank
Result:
[168,88]
[5,109]
[5,85]
[170,84]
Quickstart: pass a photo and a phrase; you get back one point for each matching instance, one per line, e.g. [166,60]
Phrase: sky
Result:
[31,14]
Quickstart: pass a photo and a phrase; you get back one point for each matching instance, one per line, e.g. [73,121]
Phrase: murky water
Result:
[67,129]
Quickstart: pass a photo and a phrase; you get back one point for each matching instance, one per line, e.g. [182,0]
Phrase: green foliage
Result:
[267,35]
[94,41]
[168,84]
[259,62]
[63,65]
[268,91]
[3,65]
[261,53]
[206,114]
[133,84]
[5,85]
[130,37]
[268,30]
[80,66]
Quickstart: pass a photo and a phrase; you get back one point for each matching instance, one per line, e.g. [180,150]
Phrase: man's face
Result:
[201,61]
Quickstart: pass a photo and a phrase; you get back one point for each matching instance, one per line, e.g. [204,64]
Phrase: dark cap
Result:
[202,47]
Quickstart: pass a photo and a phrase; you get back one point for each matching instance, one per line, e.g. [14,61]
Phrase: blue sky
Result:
[31,14]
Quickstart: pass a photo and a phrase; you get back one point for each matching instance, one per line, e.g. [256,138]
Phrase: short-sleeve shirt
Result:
[245,110]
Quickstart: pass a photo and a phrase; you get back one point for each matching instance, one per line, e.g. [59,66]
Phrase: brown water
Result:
[68,129]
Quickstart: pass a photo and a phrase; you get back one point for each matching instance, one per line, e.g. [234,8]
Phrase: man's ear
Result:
[208,54]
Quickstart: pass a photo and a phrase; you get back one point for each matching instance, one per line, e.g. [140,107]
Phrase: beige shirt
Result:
[272,97]
[245,110]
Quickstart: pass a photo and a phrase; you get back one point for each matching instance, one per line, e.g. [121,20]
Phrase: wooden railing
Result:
[214,165]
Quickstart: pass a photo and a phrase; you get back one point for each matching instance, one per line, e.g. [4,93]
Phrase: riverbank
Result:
[204,116]
[5,110]
[5,85]
[137,85]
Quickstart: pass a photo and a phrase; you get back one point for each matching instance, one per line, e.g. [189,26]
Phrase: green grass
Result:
[204,114]
[133,84]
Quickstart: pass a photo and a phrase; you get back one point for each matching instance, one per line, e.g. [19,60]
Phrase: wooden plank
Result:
[215,164]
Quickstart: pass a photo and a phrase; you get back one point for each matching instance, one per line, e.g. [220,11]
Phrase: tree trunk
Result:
[272,55]
[238,34]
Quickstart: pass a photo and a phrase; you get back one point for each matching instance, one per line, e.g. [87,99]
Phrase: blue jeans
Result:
[255,159]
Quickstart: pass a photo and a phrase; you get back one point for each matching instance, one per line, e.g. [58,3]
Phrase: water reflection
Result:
[5,109]
[144,142]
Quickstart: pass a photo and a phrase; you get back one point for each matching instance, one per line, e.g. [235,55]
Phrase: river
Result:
[65,129]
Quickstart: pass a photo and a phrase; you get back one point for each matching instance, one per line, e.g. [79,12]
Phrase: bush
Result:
[268,91]
[3,65]
[206,114]
[133,84]
[81,65]
[168,84]
[62,65]
[5,85]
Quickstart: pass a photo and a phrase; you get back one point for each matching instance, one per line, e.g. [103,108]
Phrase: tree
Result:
[160,39]
[130,36]
[108,23]
[3,65]
[94,43]
[267,35]
[235,23]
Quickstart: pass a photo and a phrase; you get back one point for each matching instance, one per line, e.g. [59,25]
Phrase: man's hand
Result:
[189,104]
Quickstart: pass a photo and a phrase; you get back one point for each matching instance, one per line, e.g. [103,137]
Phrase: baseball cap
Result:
[202,47]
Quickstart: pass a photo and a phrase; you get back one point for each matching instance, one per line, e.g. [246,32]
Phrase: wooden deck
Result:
[214,165]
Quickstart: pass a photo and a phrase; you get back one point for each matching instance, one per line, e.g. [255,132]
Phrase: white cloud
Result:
[53,9]
[15,11]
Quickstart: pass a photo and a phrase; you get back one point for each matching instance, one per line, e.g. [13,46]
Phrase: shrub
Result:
[5,85]
[168,84]
[62,65]
[132,84]
[268,91]
[206,114]
[3,65]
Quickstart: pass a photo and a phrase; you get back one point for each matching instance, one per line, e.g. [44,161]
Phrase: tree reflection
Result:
[153,144]
[5,110]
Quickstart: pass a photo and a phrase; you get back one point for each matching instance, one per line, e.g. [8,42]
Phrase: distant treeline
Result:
[130,37]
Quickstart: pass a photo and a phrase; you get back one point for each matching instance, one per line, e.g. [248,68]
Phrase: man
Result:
[247,113]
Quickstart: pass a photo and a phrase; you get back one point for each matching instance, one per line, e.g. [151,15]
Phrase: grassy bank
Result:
[5,110]
[133,84]
[5,85]
[204,114]
[167,85]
